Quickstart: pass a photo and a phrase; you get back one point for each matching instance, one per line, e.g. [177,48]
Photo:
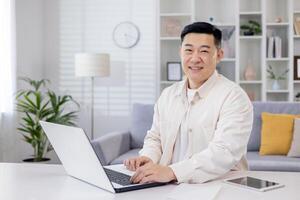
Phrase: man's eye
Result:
[188,50]
[204,51]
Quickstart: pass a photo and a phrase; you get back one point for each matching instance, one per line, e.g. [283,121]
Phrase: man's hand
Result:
[134,163]
[151,172]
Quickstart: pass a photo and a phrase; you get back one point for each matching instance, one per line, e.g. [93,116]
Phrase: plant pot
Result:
[248,33]
[32,160]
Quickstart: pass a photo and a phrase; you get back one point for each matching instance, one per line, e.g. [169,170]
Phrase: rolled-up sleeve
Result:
[228,145]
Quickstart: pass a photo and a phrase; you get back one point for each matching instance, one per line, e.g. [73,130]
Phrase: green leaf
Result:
[35,103]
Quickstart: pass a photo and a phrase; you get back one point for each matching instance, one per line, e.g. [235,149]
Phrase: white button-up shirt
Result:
[220,121]
[181,143]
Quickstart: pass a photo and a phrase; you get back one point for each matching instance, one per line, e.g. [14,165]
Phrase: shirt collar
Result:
[203,90]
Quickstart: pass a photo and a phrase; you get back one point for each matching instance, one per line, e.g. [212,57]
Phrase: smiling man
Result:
[202,124]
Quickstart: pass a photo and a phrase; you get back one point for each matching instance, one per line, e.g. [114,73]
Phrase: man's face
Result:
[199,57]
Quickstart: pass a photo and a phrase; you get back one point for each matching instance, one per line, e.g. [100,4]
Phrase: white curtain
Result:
[7,79]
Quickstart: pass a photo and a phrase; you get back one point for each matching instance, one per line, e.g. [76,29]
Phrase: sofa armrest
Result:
[111,146]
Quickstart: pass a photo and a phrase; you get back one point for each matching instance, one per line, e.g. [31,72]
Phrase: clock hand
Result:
[128,35]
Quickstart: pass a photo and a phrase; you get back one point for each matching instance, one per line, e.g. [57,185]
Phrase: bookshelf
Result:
[242,52]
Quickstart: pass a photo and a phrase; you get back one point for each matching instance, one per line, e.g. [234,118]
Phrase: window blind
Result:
[87,26]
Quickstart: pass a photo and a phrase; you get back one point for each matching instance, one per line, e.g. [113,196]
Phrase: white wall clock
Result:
[126,35]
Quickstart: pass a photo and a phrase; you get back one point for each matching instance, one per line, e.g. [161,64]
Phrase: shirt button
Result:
[190,130]
[192,103]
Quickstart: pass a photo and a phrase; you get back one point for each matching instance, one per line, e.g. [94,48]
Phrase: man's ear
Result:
[179,51]
[220,54]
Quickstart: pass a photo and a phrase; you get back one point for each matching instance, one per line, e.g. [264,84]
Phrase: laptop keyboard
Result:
[118,177]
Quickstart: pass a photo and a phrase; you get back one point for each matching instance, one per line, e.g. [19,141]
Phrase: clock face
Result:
[126,35]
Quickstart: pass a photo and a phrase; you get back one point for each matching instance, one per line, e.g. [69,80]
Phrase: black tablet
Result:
[254,183]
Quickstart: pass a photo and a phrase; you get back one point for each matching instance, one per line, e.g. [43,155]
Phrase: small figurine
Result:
[278,19]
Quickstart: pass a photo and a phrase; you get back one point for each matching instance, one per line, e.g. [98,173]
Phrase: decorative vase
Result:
[251,95]
[249,73]
[275,85]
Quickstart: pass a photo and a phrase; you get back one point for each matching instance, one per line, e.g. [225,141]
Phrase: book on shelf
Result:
[274,47]
[297,25]
[270,47]
[277,47]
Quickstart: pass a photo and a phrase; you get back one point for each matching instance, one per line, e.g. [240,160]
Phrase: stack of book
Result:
[274,46]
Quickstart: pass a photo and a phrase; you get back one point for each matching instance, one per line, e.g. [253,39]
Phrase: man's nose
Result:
[196,57]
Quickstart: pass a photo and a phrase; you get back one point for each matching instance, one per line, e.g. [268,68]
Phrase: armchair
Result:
[114,147]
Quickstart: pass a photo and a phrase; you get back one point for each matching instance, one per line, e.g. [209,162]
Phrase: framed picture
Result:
[296,67]
[174,71]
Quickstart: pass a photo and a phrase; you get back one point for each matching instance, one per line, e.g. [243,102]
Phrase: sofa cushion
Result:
[129,154]
[276,133]
[142,117]
[271,107]
[272,162]
[295,146]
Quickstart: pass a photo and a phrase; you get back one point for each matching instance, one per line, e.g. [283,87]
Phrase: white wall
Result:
[30,55]
[51,41]
[39,52]
[30,38]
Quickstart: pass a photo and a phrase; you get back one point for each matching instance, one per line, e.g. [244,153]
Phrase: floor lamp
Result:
[92,65]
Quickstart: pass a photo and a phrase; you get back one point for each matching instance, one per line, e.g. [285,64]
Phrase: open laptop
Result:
[80,161]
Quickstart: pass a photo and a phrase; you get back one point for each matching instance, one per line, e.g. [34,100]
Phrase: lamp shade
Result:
[92,64]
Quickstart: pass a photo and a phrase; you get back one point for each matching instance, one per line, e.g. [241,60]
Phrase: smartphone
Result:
[254,183]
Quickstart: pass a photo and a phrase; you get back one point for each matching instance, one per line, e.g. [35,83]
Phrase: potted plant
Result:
[251,28]
[276,78]
[40,103]
[297,97]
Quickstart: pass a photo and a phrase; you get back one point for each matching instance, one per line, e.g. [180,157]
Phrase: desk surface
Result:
[50,182]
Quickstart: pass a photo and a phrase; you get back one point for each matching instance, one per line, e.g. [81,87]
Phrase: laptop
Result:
[80,161]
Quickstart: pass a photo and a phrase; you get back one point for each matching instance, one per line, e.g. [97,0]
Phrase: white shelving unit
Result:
[276,18]
[295,48]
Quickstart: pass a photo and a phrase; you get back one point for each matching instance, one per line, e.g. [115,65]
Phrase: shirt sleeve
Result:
[152,142]
[228,145]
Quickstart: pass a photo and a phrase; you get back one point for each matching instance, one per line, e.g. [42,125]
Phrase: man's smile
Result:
[195,68]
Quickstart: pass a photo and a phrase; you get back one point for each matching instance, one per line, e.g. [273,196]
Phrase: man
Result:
[202,124]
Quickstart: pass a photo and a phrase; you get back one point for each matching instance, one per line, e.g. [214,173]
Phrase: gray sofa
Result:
[114,147]
[272,162]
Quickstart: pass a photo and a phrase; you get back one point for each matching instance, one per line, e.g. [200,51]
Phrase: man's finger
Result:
[125,162]
[132,164]
[138,177]
[141,175]
[137,173]
[134,176]
[148,179]
[137,163]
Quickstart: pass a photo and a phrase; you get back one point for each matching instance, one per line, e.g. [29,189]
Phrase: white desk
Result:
[50,182]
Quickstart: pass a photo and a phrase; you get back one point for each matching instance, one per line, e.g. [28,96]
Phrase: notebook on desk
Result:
[80,161]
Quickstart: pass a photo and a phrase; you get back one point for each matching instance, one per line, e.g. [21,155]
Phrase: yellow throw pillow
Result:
[276,133]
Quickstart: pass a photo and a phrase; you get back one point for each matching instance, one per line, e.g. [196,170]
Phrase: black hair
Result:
[203,27]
